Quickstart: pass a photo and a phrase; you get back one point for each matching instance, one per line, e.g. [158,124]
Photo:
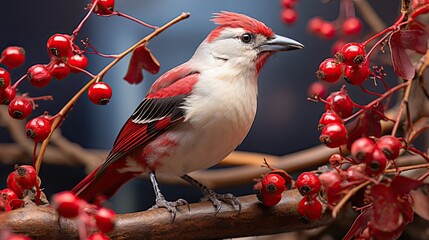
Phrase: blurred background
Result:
[286,122]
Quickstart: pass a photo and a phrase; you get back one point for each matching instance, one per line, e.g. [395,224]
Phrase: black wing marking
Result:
[153,109]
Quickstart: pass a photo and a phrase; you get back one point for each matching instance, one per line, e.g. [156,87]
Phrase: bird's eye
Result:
[246,38]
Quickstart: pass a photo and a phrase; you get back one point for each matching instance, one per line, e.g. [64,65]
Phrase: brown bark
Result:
[200,223]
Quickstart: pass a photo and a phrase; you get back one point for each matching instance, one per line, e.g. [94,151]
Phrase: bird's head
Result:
[244,40]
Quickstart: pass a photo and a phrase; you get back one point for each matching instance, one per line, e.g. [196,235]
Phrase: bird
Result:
[193,115]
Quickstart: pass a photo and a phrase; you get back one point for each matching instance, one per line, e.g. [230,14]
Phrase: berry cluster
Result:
[309,208]
[66,56]
[350,63]
[68,205]
[21,183]
[270,187]
[385,205]
[288,14]
[366,167]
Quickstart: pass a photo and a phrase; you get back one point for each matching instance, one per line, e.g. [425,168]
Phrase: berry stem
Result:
[418,152]
[349,194]
[63,112]
[81,70]
[369,92]
[19,81]
[48,97]
[379,99]
[121,14]
[87,44]
[386,30]
[376,44]
[401,108]
[408,168]
[77,30]
[424,176]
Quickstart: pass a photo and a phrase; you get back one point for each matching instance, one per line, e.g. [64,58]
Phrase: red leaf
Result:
[360,223]
[141,59]
[401,63]
[403,185]
[415,40]
[386,214]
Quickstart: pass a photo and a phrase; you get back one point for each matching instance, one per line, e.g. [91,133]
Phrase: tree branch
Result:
[200,223]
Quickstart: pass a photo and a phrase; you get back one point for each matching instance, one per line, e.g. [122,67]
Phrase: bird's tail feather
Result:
[101,184]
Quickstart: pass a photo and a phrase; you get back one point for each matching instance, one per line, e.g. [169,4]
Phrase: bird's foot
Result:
[161,202]
[218,199]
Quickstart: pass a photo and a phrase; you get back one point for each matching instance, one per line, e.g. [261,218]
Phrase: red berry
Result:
[376,164]
[100,93]
[25,177]
[352,26]
[38,128]
[273,183]
[329,70]
[7,195]
[327,30]
[11,184]
[289,16]
[356,173]
[335,160]
[362,149]
[327,118]
[39,75]
[10,200]
[288,3]
[315,24]
[390,146]
[67,204]
[332,185]
[105,220]
[13,57]
[316,90]
[59,45]
[7,95]
[308,184]
[59,69]
[4,79]
[269,199]
[334,135]
[104,7]
[340,103]
[356,75]
[310,208]
[98,236]
[76,62]
[20,107]
[351,54]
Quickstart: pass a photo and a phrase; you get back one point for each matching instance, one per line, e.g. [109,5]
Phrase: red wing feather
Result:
[156,113]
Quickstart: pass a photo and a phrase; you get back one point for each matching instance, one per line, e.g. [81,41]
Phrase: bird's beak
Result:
[279,43]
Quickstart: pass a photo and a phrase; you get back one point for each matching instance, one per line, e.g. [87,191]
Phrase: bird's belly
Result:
[197,149]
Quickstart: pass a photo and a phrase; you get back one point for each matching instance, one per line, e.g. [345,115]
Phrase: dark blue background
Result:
[286,121]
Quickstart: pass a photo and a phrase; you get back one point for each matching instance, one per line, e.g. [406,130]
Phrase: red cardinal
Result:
[195,114]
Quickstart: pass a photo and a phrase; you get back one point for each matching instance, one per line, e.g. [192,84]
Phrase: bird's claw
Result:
[219,199]
[170,206]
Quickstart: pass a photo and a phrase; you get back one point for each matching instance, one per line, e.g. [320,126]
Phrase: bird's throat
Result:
[261,59]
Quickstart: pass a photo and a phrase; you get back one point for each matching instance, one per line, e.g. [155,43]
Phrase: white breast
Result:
[218,116]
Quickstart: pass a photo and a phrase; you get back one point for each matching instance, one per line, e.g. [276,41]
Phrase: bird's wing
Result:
[158,111]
